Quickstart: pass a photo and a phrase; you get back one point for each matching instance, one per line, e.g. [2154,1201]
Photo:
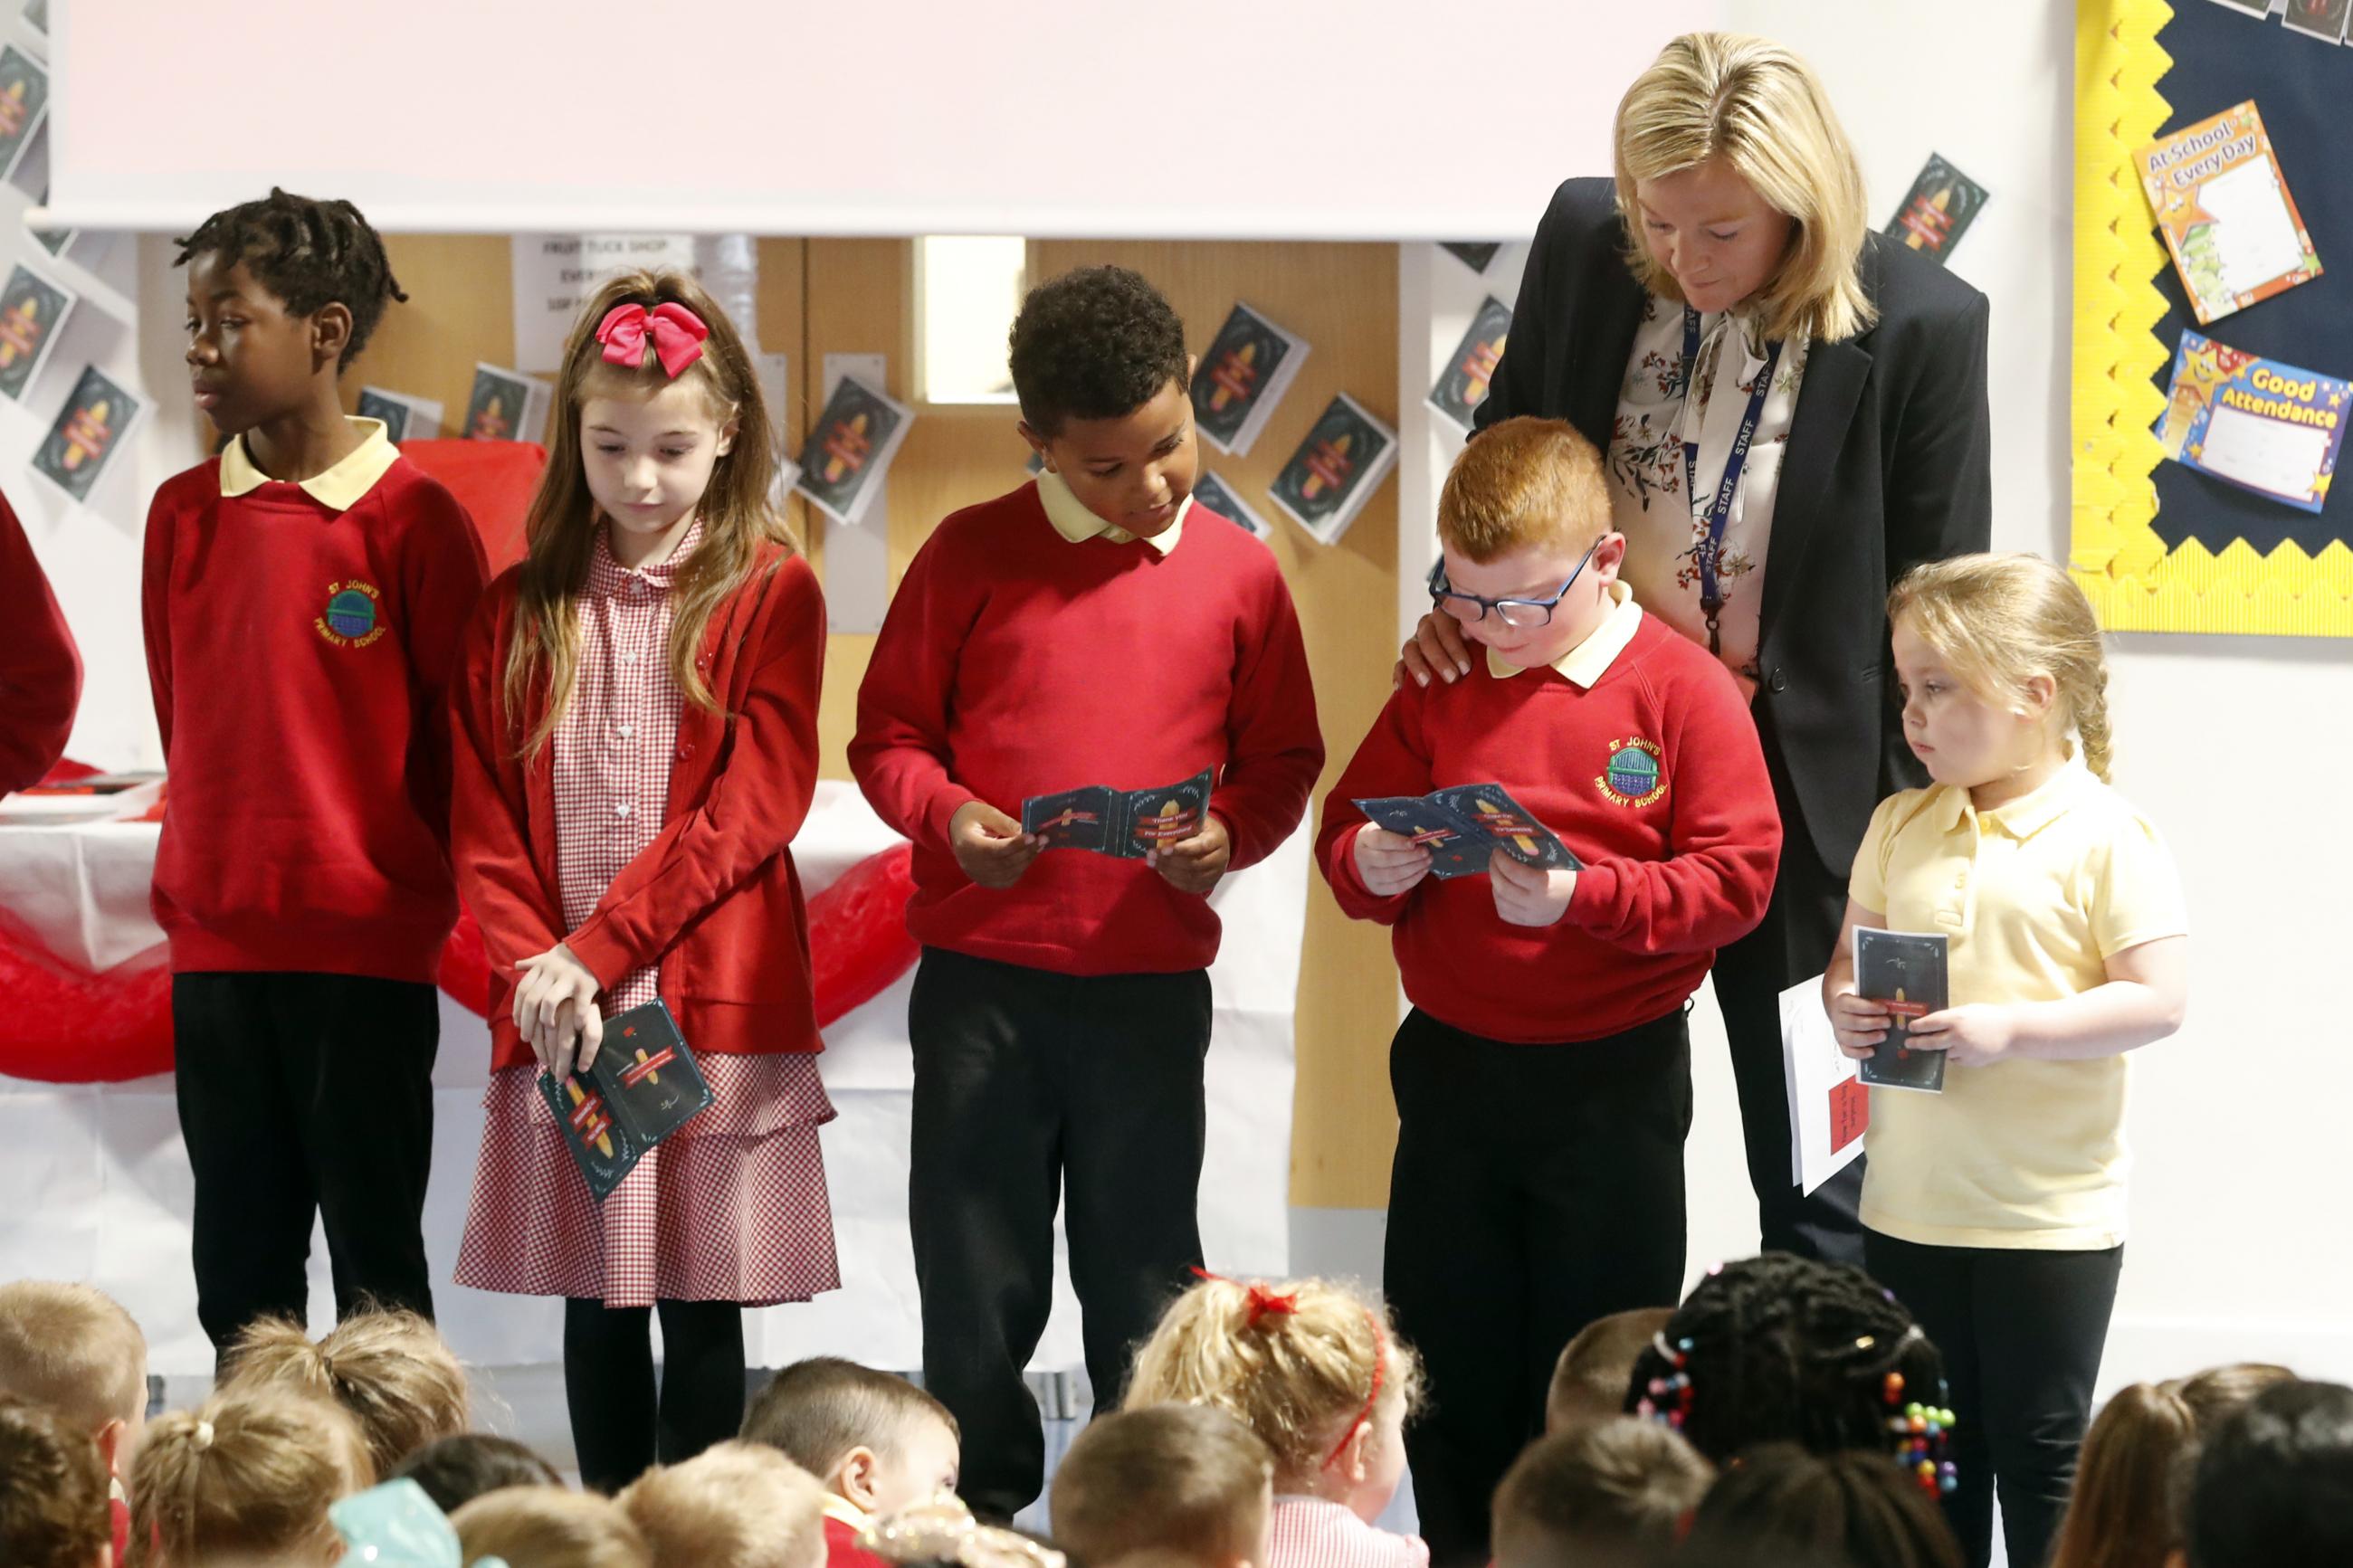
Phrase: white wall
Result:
[2234,746]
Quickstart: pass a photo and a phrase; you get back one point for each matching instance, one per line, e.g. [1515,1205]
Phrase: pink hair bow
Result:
[677,332]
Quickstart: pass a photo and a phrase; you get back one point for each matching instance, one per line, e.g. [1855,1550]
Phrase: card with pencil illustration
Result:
[1126,824]
[1904,972]
[643,1086]
[1463,826]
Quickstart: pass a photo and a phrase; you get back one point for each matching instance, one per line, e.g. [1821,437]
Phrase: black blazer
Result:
[1888,465]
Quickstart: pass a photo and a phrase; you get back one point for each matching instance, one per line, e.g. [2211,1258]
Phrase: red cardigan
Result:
[715,895]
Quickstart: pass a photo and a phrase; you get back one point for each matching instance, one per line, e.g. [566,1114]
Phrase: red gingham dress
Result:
[1309,1533]
[731,1207]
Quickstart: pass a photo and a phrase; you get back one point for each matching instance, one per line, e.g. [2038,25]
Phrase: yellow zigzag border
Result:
[2133,581]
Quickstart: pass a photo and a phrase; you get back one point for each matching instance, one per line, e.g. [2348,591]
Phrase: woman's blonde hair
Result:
[390,1371]
[1297,1363]
[1761,109]
[734,1505]
[560,531]
[250,1473]
[1999,621]
[2125,1512]
[548,1527]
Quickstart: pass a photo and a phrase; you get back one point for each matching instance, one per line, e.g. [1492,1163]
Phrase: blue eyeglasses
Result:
[1521,614]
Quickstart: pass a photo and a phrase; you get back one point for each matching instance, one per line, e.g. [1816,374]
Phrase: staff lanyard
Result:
[1710,549]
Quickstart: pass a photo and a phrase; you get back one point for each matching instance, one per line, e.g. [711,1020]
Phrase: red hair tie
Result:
[1263,1302]
[1380,1363]
[677,332]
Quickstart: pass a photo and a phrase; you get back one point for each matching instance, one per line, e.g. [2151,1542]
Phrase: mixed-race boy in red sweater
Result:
[1094,628]
[1543,1077]
[304,596]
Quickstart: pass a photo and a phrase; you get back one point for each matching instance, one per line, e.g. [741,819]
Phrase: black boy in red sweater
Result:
[1543,1078]
[1094,627]
[303,598]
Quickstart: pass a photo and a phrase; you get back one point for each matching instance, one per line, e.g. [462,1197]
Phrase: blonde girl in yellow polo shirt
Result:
[1995,1210]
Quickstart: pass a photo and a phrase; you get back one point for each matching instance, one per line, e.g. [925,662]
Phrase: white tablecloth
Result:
[100,1187]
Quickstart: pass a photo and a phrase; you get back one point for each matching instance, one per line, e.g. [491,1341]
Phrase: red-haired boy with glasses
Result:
[1543,1077]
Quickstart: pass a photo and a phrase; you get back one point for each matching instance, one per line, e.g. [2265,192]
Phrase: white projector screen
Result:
[1388,120]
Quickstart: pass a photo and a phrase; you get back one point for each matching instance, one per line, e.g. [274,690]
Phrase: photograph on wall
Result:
[1937,210]
[32,309]
[1476,257]
[1335,470]
[847,455]
[1470,369]
[2322,19]
[89,430]
[1242,375]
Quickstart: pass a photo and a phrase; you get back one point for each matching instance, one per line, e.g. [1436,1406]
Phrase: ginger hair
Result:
[1524,481]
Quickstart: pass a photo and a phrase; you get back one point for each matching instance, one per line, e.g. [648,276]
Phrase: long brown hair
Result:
[560,531]
[2125,1512]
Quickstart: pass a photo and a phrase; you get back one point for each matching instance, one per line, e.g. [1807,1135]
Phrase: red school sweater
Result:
[1653,778]
[299,658]
[716,898]
[40,670]
[1015,663]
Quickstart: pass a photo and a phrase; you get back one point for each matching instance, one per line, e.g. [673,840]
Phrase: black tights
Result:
[609,1385]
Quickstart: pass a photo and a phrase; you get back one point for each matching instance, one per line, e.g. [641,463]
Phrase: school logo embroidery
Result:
[1634,774]
[351,618]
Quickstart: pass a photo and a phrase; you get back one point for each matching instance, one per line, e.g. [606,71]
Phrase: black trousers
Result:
[305,1095]
[1537,1188]
[618,1429]
[2022,1334]
[1793,942]
[1031,1086]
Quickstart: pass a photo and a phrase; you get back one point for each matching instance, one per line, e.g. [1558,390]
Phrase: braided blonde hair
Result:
[1298,1363]
[2000,620]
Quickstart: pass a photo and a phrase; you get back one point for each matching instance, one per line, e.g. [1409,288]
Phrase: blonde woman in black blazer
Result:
[1736,193]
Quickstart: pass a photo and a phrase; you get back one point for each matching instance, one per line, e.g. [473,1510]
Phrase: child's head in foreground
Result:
[1601,1493]
[1589,1381]
[1099,364]
[73,1347]
[1312,1368]
[2275,1483]
[53,1507]
[283,293]
[390,1371]
[737,1505]
[1526,518]
[456,1470]
[875,1440]
[1998,661]
[1186,1479]
[2133,1475]
[250,1473]
[548,1527]
[1859,1507]
[1782,1348]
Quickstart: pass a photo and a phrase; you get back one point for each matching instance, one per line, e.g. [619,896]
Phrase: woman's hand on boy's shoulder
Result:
[989,846]
[1194,865]
[1437,647]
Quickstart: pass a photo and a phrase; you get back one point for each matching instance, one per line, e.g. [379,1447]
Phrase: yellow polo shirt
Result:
[2035,896]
